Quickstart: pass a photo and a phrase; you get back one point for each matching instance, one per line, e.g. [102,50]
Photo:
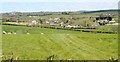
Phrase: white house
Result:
[33,22]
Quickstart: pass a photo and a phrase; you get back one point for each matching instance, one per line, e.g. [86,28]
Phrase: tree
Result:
[85,23]
[40,21]
[13,19]
[5,19]
[65,13]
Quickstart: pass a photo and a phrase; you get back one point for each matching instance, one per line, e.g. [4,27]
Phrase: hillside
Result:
[41,43]
[111,10]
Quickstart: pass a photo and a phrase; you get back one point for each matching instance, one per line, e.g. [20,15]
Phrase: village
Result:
[67,22]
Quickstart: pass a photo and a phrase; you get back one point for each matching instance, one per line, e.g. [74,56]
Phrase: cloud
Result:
[57,5]
[59,0]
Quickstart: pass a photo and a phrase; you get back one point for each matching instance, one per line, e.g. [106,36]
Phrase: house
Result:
[72,26]
[112,22]
[33,22]
[47,22]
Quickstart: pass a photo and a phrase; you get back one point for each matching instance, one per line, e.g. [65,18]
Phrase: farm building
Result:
[33,23]
[105,19]
[72,26]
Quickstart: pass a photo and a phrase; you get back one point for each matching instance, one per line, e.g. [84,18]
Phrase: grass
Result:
[109,28]
[64,44]
[35,30]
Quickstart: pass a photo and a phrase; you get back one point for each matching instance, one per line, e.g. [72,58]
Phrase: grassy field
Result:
[64,44]
[35,30]
[109,28]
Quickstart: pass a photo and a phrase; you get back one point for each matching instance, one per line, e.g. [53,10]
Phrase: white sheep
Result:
[42,33]
[4,32]
[9,33]
[28,33]
[14,33]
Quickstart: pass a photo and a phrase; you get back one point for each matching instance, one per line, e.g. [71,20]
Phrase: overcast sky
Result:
[56,5]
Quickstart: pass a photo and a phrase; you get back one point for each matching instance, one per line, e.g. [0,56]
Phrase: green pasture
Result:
[35,30]
[109,28]
[64,44]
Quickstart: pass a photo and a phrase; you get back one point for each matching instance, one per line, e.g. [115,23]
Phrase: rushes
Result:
[9,58]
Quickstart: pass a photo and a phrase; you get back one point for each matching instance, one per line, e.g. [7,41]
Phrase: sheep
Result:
[42,33]
[9,33]
[4,32]
[14,33]
[28,33]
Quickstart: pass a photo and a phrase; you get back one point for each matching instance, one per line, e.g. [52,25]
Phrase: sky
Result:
[56,5]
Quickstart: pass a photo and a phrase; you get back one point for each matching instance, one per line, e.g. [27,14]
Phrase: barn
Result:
[104,19]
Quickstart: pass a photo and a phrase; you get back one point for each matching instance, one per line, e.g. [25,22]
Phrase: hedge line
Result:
[92,30]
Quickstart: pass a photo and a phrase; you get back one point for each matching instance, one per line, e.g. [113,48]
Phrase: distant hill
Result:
[111,10]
